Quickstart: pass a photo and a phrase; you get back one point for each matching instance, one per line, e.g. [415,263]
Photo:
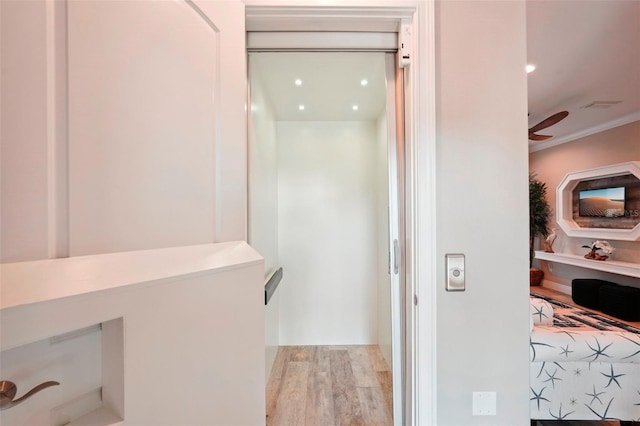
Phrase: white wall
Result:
[482,205]
[327,232]
[382,245]
[263,201]
[141,136]
[25,169]
[27,200]
[154,154]
[551,165]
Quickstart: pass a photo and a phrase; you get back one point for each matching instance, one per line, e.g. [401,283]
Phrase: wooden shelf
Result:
[612,266]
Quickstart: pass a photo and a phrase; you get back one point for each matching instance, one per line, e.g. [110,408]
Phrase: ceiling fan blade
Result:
[550,121]
[534,137]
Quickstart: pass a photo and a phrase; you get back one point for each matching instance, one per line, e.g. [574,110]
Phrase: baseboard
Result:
[552,285]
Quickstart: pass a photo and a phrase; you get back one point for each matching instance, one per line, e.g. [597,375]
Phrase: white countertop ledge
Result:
[24,283]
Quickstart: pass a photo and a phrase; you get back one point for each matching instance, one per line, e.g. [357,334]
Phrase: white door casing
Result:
[395,142]
[419,88]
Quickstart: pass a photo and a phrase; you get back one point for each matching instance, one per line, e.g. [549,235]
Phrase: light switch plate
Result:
[454,269]
[484,403]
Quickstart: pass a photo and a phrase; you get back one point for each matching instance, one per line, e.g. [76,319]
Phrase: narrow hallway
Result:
[329,385]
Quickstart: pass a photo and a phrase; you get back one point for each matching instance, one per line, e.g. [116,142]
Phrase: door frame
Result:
[420,155]
[398,294]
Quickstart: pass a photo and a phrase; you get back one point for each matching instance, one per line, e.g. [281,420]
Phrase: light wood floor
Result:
[329,385]
[345,385]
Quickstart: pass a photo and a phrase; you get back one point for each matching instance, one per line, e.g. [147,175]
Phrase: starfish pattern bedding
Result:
[582,372]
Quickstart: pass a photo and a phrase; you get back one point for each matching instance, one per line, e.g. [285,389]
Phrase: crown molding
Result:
[288,15]
[630,118]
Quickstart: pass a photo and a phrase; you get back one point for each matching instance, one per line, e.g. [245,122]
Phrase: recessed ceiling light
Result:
[364,82]
[298,82]
[355,107]
[301,107]
[530,68]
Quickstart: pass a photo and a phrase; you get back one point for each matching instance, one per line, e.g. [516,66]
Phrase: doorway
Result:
[324,204]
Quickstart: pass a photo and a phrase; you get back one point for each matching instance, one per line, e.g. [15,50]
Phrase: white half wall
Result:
[327,232]
[193,323]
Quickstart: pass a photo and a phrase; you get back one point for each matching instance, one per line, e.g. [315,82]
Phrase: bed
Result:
[582,366]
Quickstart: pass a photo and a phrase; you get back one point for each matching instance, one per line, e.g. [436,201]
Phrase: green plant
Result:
[539,212]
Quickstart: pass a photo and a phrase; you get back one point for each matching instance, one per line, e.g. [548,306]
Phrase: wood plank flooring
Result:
[329,385]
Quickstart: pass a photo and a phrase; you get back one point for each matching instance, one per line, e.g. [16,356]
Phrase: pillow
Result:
[541,311]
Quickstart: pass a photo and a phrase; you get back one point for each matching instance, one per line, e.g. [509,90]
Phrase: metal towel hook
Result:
[9,389]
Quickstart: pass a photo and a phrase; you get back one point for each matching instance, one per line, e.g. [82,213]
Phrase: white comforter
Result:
[584,375]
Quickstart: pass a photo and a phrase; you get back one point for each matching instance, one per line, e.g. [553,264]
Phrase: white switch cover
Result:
[484,403]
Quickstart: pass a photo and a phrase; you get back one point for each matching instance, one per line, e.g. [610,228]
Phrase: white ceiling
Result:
[584,52]
[330,84]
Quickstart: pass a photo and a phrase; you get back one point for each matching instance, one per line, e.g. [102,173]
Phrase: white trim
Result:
[57,125]
[612,266]
[349,15]
[230,137]
[202,15]
[321,40]
[395,271]
[50,41]
[630,118]
[564,202]
[377,15]
[422,233]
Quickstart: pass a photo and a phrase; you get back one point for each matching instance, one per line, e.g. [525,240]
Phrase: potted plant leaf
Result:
[539,212]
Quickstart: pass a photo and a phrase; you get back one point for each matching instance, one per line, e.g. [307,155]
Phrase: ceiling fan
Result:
[548,122]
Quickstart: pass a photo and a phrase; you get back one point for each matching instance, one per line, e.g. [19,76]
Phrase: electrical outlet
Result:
[484,403]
